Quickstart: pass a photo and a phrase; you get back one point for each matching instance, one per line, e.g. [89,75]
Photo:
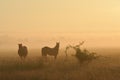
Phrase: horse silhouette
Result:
[22,51]
[51,51]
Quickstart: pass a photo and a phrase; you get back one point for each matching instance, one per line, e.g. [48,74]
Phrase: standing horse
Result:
[50,51]
[22,51]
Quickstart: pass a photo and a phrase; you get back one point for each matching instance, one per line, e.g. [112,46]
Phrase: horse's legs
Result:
[55,56]
[44,58]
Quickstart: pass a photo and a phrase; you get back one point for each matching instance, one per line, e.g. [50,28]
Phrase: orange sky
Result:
[48,21]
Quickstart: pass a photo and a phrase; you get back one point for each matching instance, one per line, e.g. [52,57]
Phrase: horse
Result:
[51,51]
[22,51]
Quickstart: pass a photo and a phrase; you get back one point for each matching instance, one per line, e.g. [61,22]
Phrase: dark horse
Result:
[51,51]
[22,51]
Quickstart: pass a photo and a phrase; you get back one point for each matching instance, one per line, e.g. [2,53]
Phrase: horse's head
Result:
[57,43]
[20,45]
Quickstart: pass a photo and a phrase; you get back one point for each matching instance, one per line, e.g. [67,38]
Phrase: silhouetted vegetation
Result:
[16,65]
[82,55]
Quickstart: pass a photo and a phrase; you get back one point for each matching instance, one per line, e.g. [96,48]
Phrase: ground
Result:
[107,67]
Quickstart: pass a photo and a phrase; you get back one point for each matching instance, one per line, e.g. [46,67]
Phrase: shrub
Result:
[82,55]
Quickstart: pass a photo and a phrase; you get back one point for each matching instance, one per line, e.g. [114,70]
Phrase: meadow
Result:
[34,67]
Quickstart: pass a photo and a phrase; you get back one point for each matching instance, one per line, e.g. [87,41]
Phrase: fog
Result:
[37,41]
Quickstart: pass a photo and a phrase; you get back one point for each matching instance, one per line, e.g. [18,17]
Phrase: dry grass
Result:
[34,68]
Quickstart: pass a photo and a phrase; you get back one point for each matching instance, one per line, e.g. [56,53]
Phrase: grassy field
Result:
[107,67]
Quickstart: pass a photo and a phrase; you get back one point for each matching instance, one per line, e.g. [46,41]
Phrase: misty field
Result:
[106,67]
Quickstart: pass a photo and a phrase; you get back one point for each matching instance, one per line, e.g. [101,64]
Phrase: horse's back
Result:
[45,50]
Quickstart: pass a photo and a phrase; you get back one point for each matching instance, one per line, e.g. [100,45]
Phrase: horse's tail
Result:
[43,51]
